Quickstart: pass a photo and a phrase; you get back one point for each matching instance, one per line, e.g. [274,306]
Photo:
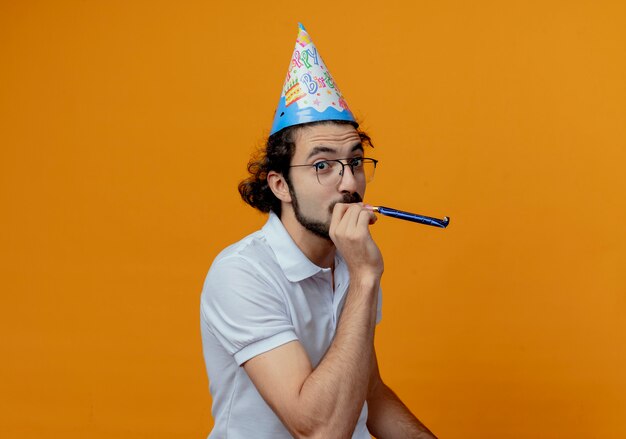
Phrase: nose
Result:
[348,181]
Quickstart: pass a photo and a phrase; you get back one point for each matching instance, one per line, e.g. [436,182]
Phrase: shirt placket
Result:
[327,281]
[341,287]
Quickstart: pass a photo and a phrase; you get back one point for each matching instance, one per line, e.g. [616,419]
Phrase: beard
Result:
[320,228]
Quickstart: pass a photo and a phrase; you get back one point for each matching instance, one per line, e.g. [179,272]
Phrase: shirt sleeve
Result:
[246,314]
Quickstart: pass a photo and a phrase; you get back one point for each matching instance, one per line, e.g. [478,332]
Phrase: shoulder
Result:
[251,256]
[245,269]
[244,298]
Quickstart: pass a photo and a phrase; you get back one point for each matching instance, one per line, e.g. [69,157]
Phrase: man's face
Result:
[312,202]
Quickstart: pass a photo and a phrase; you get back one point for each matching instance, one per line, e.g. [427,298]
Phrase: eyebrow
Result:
[319,149]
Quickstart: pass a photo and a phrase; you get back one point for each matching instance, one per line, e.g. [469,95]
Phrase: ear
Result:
[279,186]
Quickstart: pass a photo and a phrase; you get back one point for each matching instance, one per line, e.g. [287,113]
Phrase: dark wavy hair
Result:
[276,156]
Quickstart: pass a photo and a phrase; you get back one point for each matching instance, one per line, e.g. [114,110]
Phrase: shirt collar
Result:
[293,262]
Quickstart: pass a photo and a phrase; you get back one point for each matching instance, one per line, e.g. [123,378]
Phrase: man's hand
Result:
[349,230]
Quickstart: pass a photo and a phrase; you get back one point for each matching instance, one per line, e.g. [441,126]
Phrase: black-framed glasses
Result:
[330,172]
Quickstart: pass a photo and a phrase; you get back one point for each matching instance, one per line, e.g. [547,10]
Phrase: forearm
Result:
[334,393]
[389,418]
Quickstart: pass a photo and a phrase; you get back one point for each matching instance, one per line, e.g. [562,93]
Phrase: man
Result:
[289,312]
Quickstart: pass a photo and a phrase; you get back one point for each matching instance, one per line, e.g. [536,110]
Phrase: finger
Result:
[339,211]
[373,218]
[347,222]
[370,208]
[366,217]
[350,220]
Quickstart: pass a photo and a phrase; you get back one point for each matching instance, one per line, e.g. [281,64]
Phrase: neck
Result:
[319,250]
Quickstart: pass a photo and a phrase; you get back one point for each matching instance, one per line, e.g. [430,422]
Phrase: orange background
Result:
[125,127]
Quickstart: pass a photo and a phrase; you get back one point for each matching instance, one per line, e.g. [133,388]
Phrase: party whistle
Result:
[387,211]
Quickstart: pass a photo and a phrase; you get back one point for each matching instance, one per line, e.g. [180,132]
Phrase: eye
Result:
[356,162]
[322,166]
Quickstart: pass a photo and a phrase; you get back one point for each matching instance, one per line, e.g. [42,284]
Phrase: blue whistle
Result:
[427,220]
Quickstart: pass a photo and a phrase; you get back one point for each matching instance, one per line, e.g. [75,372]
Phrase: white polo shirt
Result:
[261,293]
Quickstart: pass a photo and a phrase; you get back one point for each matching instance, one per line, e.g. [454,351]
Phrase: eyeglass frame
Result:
[343,166]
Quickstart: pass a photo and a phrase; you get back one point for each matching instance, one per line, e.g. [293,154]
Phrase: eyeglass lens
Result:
[330,173]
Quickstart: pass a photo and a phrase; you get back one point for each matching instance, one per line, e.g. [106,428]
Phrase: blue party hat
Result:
[310,93]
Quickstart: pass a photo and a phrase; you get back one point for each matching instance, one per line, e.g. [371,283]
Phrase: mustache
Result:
[348,198]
